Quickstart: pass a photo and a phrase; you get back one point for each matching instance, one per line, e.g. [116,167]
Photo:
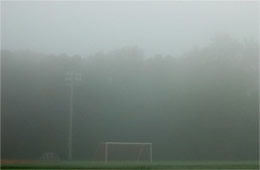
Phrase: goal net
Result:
[124,151]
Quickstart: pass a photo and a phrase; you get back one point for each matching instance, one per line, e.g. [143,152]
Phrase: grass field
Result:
[181,165]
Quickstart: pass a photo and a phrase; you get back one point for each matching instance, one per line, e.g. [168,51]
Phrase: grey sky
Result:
[85,27]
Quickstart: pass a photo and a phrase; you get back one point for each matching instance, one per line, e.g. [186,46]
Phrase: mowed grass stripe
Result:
[118,166]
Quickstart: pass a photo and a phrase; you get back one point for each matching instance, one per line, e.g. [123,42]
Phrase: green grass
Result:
[181,165]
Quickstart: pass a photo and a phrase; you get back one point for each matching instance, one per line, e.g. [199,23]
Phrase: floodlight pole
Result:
[70,119]
[72,76]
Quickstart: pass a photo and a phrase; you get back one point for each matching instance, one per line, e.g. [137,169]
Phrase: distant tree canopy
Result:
[201,106]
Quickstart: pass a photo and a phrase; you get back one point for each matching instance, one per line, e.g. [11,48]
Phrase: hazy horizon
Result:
[181,75]
[86,27]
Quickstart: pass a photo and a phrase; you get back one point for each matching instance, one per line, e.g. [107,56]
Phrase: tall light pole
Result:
[72,77]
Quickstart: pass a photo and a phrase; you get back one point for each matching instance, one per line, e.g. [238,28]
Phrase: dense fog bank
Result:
[203,105]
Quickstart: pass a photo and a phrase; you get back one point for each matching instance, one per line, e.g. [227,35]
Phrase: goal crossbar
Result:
[127,143]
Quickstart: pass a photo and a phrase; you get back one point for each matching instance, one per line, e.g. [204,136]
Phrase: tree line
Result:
[203,105]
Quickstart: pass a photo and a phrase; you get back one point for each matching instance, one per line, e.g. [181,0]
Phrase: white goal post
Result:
[143,149]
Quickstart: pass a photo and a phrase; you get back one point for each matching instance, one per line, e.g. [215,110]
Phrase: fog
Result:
[181,75]
[167,28]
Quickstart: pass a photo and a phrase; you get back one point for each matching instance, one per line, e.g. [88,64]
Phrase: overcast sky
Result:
[85,27]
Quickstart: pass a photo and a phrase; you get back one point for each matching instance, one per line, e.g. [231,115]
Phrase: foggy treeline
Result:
[201,106]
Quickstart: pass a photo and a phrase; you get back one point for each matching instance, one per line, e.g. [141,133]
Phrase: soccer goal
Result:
[50,156]
[124,151]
